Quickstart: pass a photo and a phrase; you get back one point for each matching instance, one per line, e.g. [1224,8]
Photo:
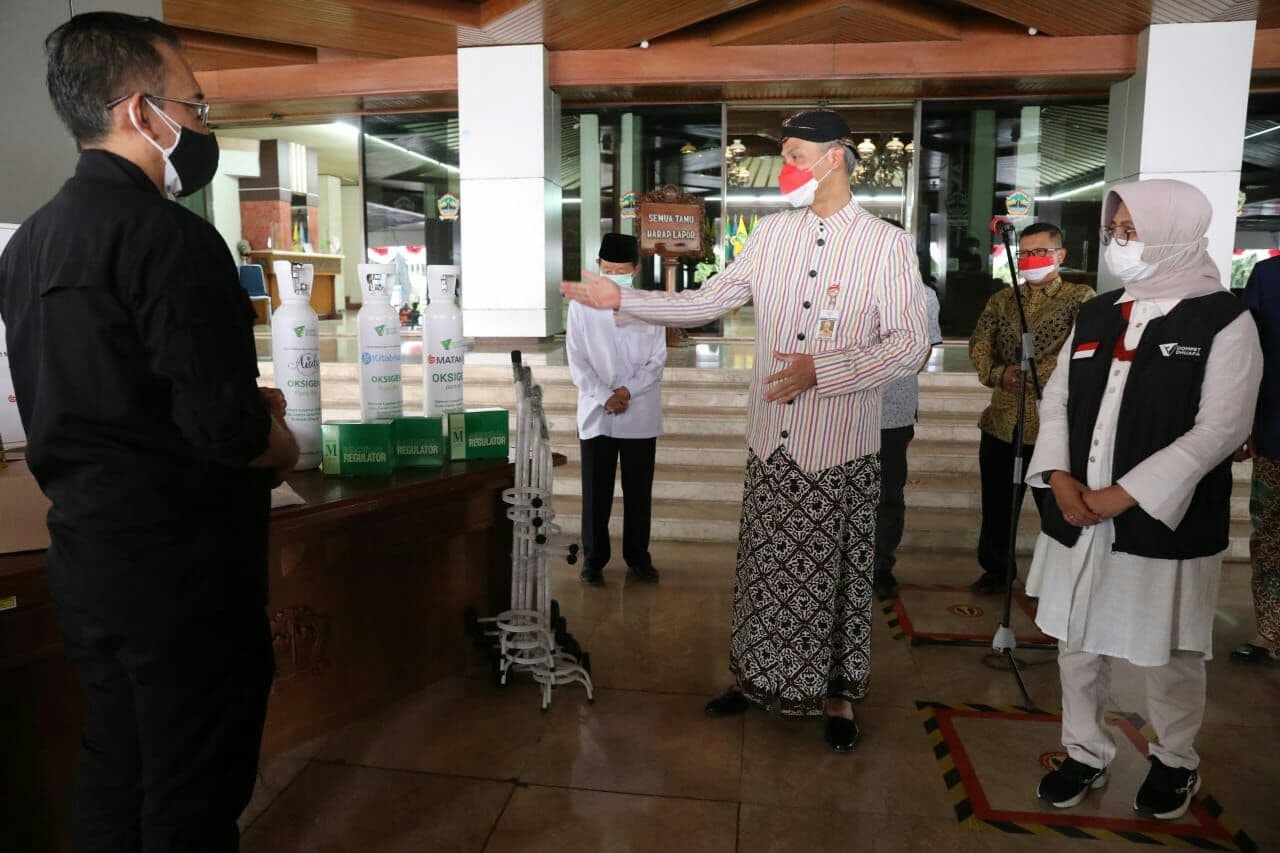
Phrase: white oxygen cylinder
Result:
[295,352]
[381,393]
[442,348]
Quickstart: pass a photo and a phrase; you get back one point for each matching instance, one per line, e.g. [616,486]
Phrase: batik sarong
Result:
[801,625]
[1264,547]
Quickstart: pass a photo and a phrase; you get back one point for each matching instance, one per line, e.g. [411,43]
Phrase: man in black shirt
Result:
[134,366]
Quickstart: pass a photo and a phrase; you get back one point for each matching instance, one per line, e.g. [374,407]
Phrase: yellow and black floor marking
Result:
[945,613]
[1208,829]
[891,613]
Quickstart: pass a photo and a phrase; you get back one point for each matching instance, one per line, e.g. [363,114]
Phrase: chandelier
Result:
[887,169]
[735,156]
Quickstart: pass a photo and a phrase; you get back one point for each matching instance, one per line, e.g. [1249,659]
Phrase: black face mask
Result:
[195,159]
[191,163]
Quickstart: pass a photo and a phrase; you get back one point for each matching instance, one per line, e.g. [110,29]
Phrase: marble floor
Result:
[467,766]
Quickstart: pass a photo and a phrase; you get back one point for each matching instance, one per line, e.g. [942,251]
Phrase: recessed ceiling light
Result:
[645,44]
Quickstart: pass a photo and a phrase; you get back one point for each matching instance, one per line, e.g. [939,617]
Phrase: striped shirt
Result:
[846,290]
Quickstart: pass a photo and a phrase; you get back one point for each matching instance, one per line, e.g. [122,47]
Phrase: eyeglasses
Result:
[1122,236]
[1038,253]
[199,108]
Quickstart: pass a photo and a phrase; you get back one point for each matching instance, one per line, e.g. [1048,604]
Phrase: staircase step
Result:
[702,453]
[684,483]
[941,530]
[682,395]
[723,452]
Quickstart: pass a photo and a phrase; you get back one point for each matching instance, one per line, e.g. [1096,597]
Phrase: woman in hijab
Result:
[1154,391]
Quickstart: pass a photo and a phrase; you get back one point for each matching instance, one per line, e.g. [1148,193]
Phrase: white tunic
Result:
[604,356]
[1138,608]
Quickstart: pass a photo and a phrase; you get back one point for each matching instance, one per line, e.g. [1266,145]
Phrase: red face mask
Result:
[1035,269]
[792,178]
[1031,262]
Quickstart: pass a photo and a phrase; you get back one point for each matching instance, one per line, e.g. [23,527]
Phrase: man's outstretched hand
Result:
[594,291]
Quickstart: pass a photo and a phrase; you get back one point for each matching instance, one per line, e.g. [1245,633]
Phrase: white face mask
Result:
[1127,263]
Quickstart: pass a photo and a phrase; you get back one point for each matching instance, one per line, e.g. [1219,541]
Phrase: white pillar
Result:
[1182,116]
[510,194]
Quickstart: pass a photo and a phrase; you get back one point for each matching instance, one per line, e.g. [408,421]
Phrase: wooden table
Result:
[325,285]
[369,583]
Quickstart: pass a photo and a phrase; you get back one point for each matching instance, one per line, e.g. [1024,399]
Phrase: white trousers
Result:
[1175,707]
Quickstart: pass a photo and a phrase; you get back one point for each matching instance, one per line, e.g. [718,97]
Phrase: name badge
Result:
[1088,350]
[828,320]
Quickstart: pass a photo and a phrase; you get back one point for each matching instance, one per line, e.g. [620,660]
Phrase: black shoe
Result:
[727,704]
[885,586]
[1250,653]
[989,584]
[647,574]
[591,577]
[1070,784]
[1167,793]
[841,733]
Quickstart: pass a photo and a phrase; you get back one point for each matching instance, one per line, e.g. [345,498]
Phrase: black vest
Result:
[1160,403]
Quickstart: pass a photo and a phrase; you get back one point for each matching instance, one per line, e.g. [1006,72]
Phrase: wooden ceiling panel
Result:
[839,91]
[842,26]
[316,23]
[1103,17]
[254,113]
[210,51]
[837,21]
[590,25]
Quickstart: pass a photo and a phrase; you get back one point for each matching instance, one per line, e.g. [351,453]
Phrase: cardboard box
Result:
[479,434]
[418,442]
[355,449]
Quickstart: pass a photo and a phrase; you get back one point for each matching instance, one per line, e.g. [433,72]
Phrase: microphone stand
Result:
[1004,641]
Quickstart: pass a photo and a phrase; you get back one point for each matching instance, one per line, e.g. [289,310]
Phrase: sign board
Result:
[670,224]
[11,431]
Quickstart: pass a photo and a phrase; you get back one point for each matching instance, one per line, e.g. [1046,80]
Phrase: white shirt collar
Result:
[1164,306]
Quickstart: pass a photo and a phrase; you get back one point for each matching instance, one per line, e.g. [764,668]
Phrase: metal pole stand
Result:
[1004,642]
[532,636]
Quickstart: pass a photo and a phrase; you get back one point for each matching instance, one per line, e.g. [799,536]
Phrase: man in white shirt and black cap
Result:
[617,370]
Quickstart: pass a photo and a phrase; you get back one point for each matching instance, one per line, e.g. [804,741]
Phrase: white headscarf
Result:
[1169,216]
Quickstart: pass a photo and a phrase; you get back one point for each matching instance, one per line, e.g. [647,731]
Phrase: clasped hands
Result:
[1082,506]
[618,401]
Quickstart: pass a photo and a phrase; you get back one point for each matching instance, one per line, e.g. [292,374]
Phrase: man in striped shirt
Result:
[840,314]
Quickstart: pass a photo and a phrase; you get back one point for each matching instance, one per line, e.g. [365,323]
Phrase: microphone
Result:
[1001,225]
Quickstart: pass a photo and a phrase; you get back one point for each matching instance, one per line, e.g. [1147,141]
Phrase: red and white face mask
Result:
[1036,270]
[798,185]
